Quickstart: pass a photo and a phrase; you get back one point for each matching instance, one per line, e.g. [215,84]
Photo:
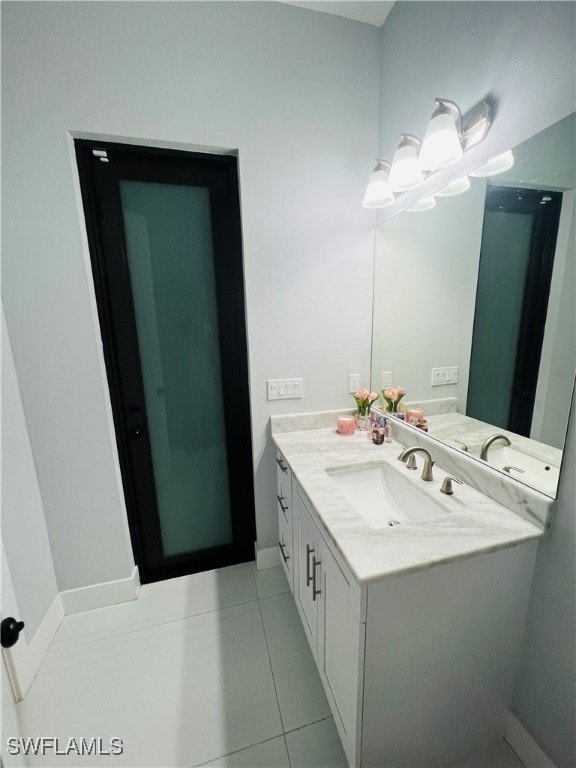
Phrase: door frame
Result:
[143,521]
[534,310]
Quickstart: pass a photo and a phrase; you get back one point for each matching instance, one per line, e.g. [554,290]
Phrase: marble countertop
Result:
[474,524]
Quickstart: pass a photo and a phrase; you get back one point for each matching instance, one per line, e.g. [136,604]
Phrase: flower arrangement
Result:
[392,396]
[364,399]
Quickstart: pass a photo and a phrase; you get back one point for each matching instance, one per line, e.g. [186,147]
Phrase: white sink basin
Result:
[537,473]
[383,496]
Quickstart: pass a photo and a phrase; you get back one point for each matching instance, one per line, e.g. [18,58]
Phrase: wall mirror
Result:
[483,285]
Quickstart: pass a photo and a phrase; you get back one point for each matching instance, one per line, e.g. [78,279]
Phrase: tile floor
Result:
[212,669]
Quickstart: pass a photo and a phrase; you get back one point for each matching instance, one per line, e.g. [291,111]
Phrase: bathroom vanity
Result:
[415,626]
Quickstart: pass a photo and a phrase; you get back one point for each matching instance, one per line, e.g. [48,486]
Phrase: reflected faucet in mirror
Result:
[489,441]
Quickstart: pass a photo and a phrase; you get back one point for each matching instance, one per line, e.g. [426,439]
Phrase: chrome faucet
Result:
[428,463]
[488,442]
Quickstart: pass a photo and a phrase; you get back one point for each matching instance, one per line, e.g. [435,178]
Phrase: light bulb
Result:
[496,165]
[455,187]
[378,192]
[423,205]
[441,146]
[405,173]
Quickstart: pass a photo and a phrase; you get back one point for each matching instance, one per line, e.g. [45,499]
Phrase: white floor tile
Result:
[271,582]
[270,754]
[316,746]
[300,693]
[178,694]
[499,755]
[161,602]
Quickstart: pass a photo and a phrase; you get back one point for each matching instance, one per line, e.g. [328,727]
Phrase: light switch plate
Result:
[441,376]
[285,389]
[354,383]
[386,380]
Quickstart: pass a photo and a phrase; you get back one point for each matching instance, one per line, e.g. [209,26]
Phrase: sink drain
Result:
[394,522]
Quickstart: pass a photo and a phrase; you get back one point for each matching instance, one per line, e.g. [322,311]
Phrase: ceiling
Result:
[368,11]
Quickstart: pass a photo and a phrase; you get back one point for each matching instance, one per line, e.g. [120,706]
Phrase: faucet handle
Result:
[447,485]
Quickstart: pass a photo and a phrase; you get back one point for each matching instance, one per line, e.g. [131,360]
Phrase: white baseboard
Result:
[101,595]
[525,745]
[269,557]
[24,659]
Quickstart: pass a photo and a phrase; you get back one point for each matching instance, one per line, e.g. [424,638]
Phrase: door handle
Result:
[10,631]
[309,551]
[285,557]
[315,592]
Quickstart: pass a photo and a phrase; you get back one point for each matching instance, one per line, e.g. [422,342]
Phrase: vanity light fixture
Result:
[456,187]
[496,165]
[405,173]
[448,136]
[441,145]
[426,204]
[379,192]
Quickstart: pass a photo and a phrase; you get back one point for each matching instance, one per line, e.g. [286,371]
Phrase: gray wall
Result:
[296,93]
[523,55]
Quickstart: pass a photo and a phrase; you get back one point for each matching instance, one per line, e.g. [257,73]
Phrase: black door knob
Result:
[10,630]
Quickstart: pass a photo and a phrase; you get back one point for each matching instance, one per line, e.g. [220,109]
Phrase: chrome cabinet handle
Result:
[285,557]
[315,591]
[309,551]
[280,500]
[282,466]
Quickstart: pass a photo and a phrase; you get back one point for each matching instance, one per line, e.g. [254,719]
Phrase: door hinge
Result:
[101,154]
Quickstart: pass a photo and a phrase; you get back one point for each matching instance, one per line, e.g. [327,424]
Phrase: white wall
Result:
[296,93]
[24,533]
[522,54]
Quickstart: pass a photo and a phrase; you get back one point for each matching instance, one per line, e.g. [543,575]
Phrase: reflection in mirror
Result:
[485,283]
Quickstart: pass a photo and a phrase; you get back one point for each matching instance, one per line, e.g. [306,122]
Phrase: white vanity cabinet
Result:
[285,523]
[330,606]
[418,668]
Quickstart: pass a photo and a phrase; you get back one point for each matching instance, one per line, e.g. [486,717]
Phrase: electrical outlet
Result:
[354,383]
[386,379]
[441,376]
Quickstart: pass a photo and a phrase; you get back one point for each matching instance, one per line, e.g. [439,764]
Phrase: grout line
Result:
[70,645]
[271,667]
[236,751]
[287,750]
[314,722]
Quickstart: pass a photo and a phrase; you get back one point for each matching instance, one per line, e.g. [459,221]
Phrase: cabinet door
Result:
[284,504]
[341,652]
[307,571]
